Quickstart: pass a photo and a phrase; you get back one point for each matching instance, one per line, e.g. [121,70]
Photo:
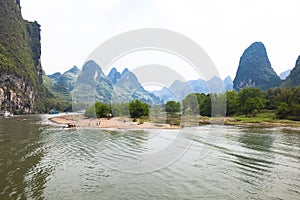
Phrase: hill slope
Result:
[21,87]
[255,69]
[293,79]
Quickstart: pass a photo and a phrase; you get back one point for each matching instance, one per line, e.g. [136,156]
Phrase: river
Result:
[39,160]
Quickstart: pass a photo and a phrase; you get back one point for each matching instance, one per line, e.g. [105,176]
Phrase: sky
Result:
[71,29]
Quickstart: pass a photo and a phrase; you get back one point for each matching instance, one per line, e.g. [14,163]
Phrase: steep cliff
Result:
[255,69]
[21,88]
[293,79]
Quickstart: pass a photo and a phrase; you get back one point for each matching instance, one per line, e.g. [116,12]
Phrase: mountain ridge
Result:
[255,69]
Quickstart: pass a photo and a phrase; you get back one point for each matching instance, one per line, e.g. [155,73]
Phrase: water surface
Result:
[42,161]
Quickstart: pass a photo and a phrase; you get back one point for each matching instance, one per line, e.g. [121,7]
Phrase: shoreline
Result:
[113,123]
[126,123]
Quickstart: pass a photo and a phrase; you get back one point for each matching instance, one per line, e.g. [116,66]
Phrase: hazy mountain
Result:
[92,85]
[293,79]
[114,75]
[255,69]
[179,89]
[68,79]
[285,74]
[55,77]
[228,83]
[126,87]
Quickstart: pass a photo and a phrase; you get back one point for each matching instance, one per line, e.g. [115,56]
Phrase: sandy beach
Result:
[113,123]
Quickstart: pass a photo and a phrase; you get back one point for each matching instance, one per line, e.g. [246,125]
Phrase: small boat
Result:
[70,126]
[7,114]
[53,112]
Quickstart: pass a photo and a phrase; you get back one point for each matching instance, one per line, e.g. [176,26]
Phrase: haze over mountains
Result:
[254,70]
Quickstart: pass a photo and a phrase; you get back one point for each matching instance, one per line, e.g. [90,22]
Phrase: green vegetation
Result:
[276,103]
[15,44]
[98,110]
[138,109]
[172,107]
[250,101]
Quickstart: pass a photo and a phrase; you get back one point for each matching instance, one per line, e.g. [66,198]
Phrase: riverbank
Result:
[126,123]
[113,123]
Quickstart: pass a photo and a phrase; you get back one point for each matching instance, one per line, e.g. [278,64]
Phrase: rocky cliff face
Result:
[255,69]
[21,89]
[293,79]
[16,95]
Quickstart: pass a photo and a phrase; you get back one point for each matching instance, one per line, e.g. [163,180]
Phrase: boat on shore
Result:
[7,114]
[71,126]
[53,112]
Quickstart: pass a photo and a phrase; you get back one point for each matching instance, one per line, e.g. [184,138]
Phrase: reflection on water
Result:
[20,150]
[40,161]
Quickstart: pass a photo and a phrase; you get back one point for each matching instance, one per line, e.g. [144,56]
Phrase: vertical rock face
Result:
[293,79]
[255,69]
[20,66]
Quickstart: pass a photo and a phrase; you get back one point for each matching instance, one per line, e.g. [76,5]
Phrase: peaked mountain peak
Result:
[114,75]
[255,69]
[125,71]
[91,66]
[228,79]
[74,70]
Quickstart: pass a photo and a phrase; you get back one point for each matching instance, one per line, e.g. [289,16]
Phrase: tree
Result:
[205,105]
[138,109]
[282,110]
[251,101]
[172,107]
[98,110]
[102,109]
[232,102]
[190,104]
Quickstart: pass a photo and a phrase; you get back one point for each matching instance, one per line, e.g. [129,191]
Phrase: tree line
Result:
[285,102]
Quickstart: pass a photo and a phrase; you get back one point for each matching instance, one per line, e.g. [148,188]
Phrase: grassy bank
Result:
[264,118]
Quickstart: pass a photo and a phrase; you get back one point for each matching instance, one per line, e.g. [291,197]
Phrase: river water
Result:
[39,160]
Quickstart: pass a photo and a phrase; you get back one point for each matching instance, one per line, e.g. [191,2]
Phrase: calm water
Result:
[42,161]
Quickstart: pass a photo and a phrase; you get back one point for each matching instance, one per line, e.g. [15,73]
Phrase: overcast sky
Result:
[72,29]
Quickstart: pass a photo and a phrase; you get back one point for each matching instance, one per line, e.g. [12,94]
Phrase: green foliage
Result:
[90,112]
[190,104]
[98,110]
[283,110]
[250,101]
[138,109]
[172,107]
[232,102]
[16,55]
[195,104]
[102,109]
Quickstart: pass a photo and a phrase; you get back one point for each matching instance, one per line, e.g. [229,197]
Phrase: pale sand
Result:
[113,123]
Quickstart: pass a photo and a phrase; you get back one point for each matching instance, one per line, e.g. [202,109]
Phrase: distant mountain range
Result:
[91,84]
[179,89]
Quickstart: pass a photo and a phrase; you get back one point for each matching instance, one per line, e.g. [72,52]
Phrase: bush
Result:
[138,109]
